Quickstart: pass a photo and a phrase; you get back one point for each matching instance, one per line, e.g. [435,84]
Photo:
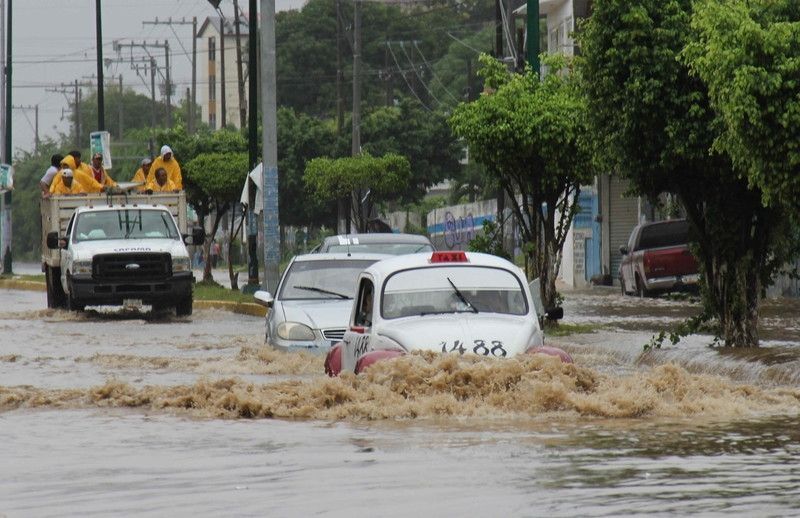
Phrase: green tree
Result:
[301,138]
[422,136]
[336,178]
[220,177]
[748,53]
[531,137]
[654,126]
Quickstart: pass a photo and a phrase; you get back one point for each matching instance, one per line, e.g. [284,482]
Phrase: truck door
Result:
[66,254]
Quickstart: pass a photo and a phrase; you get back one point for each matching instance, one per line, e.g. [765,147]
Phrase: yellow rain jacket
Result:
[80,174]
[171,166]
[62,188]
[167,187]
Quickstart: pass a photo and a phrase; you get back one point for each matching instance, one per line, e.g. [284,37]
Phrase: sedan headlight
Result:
[181,264]
[81,267]
[294,331]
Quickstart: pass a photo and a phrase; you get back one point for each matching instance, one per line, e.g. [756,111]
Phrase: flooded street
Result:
[112,413]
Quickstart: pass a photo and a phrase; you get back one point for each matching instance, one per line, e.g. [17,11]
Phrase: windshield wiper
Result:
[132,224]
[461,297]
[447,312]
[320,290]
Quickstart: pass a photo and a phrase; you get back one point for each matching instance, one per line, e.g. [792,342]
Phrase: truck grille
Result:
[139,267]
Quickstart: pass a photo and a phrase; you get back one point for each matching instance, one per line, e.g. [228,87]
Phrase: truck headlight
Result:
[181,264]
[81,267]
[294,331]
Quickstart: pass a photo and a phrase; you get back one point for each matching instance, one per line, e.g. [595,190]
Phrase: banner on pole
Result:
[100,142]
[6,177]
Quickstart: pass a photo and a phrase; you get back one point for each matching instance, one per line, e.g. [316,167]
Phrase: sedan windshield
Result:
[125,224]
[322,279]
[452,289]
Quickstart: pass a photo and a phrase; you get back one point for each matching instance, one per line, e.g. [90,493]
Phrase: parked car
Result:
[657,259]
[312,303]
[386,243]
[447,302]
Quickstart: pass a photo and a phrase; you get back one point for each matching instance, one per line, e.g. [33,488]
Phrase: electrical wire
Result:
[406,80]
[421,81]
[433,74]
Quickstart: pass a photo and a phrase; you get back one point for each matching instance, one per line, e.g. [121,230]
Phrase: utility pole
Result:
[252,148]
[356,139]
[193,22]
[72,92]
[35,126]
[343,209]
[498,29]
[239,74]
[533,34]
[223,119]
[6,223]
[118,46]
[339,72]
[169,84]
[270,144]
[152,104]
[101,102]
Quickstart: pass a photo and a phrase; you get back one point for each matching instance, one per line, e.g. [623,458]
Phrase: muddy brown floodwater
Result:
[110,413]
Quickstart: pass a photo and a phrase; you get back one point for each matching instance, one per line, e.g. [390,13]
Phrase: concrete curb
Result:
[243,308]
[19,284]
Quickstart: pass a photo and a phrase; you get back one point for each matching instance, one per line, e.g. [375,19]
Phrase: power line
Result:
[404,78]
[421,81]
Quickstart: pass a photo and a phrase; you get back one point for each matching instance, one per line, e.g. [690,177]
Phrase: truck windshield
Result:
[125,224]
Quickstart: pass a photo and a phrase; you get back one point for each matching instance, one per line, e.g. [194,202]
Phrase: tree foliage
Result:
[531,136]
[655,126]
[220,178]
[336,178]
[748,53]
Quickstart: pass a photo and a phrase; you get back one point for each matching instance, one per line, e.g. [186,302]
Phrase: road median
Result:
[243,308]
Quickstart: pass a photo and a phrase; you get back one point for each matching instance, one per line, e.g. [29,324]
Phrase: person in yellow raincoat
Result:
[162,183]
[68,184]
[170,165]
[140,176]
[87,181]
[99,172]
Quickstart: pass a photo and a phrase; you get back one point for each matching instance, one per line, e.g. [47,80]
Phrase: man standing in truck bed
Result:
[99,172]
[170,165]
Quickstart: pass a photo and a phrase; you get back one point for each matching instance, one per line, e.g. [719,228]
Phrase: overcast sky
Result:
[54,43]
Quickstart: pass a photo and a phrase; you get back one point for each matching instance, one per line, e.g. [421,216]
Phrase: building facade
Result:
[210,73]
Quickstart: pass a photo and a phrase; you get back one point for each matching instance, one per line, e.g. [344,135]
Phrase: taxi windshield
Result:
[452,289]
[329,279]
[125,224]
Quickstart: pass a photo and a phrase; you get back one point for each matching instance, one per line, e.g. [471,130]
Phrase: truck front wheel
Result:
[56,298]
[184,307]
[72,304]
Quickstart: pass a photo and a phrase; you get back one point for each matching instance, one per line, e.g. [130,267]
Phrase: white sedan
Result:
[311,306]
[447,302]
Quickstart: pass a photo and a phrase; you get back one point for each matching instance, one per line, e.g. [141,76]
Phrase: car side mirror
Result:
[554,313]
[264,298]
[623,250]
[53,242]
[197,237]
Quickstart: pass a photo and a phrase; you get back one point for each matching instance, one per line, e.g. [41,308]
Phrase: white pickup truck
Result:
[127,249]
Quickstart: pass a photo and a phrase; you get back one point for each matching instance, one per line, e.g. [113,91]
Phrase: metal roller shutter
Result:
[623,216]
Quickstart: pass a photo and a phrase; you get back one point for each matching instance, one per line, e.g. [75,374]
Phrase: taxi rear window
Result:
[434,290]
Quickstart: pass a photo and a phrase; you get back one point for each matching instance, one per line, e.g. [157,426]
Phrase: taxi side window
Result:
[366,295]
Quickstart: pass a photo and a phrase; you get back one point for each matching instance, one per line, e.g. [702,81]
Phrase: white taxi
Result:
[447,302]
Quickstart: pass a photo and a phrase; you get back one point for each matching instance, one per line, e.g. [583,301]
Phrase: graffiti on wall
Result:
[458,231]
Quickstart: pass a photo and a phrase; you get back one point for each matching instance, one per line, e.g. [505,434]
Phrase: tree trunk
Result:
[234,232]
[736,289]
[207,275]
